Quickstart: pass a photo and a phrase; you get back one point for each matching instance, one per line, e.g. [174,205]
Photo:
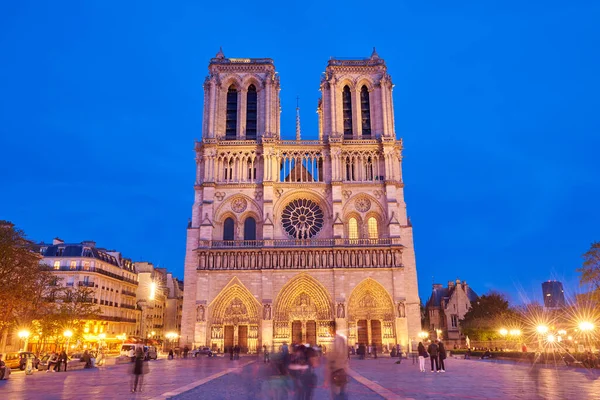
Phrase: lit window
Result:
[454,321]
[73,265]
[86,265]
[56,264]
[353,228]
[372,225]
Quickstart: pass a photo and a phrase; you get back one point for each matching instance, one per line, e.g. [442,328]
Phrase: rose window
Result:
[302,219]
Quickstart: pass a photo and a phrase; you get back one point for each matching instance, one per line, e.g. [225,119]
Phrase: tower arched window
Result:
[250,229]
[352,228]
[347,112]
[251,113]
[365,111]
[231,114]
[228,229]
[372,228]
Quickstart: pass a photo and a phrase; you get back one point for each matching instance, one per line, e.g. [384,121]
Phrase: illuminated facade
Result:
[152,299]
[289,238]
[111,278]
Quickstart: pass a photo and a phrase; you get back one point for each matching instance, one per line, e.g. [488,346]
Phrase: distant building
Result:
[152,299]
[110,276]
[554,295]
[446,307]
[174,305]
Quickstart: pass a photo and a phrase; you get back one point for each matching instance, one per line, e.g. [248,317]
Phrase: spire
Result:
[374,55]
[297,118]
[220,54]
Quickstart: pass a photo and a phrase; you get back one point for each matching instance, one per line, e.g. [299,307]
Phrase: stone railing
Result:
[289,254]
[280,243]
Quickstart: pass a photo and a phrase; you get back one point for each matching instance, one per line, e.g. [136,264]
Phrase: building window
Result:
[353,228]
[73,265]
[70,281]
[454,320]
[365,110]
[231,114]
[229,170]
[228,229]
[86,265]
[251,170]
[250,229]
[251,110]
[372,228]
[59,252]
[349,169]
[56,264]
[369,169]
[347,112]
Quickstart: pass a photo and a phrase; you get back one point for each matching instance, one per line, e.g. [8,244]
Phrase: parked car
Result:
[18,359]
[150,353]
[201,351]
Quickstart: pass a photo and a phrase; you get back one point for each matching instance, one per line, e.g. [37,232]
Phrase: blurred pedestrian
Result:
[139,369]
[185,351]
[338,367]
[302,370]
[266,354]
[170,354]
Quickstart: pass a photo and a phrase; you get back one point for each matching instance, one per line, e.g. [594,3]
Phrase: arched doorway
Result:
[234,320]
[371,316]
[303,313]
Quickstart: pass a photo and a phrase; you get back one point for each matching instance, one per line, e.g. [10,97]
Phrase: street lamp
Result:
[541,329]
[24,335]
[423,335]
[586,326]
[503,332]
[67,334]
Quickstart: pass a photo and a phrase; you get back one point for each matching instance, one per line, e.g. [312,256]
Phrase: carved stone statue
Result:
[340,311]
[200,313]
[401,310]
[267,312]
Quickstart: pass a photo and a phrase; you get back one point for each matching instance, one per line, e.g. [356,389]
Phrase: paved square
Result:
[372,379]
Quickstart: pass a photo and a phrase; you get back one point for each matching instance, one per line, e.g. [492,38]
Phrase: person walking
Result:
[422,356]
[338,366]
[432,349]
[185,351]
[441,355]
[266,354]
[138,371]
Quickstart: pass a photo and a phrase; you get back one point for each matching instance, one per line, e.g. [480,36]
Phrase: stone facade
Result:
[152,295]
[292,239]
[446,307]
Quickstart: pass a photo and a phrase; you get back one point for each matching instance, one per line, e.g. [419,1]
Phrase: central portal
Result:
[243,338]
[296,332]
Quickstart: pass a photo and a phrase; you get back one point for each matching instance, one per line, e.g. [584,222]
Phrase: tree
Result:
[486,316]
[590,271]
[21,280]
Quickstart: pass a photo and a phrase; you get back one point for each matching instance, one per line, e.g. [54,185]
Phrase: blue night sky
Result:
[497,102]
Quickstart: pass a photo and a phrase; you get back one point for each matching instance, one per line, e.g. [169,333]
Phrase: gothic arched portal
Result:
[371,315]
[303,312]
[234,319]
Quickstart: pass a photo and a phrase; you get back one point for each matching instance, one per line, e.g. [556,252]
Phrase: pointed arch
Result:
[234,304]
[365,111]
[347,111]
[231,113]
[251,112]
[303,292]
[370,300]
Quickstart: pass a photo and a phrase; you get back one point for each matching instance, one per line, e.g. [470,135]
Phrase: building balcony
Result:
[128,293]
[116,319]
[86,284]
[128,306]
[282,243]
[91,270]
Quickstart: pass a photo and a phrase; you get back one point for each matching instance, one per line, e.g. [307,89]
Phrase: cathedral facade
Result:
[291,240]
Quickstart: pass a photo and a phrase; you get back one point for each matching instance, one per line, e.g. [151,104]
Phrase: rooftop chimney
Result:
[450,284]
[57,240]
[89,243]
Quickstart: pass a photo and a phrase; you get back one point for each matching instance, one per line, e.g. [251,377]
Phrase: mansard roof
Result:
[440,293]
[83,250]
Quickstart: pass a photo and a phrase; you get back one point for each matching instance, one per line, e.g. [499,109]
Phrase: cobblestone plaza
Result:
[219,378]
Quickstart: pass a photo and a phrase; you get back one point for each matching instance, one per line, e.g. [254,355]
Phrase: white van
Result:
[125,348]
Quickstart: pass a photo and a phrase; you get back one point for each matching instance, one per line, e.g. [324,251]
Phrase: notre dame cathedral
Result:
[291,240]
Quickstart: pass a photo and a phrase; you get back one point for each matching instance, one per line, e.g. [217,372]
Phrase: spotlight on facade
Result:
[68,333]
[503,332]
[515,332]
[152,291]
[550,338]
[423,334]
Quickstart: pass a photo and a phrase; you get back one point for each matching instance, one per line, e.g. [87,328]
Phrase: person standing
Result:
[432,349]
[138,371]
[185,351]
[441,355]
[338,366]
[266,354]
[422,356]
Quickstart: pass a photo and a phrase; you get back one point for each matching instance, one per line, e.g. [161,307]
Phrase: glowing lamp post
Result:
[24,335]
[67,334]
[586,328]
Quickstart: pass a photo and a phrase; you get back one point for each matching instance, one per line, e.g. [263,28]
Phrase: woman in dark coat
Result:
[441,355]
